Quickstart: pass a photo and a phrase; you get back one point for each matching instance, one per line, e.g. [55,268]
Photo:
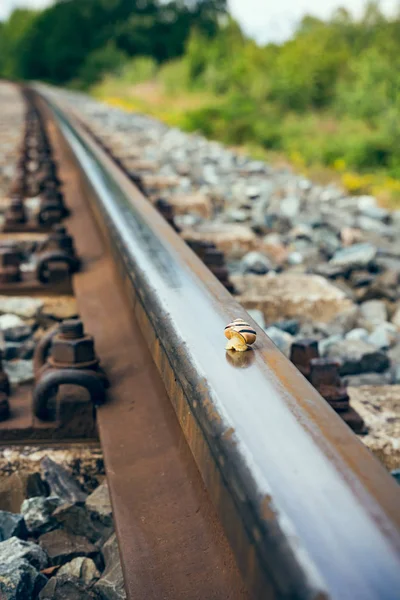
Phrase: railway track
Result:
[230,476]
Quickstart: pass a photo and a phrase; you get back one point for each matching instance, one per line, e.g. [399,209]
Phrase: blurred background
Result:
[309,83]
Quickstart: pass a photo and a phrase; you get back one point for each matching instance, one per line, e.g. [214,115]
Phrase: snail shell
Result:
[240,335]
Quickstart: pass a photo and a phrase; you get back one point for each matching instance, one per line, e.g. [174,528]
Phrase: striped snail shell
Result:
[240,335]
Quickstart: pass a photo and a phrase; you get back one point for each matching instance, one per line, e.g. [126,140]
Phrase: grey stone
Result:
[99,505]
[295,258]
[111,585]
[372,225]
[281,339]
[237,216]
[12,524]
[326,343]
[375,212]
[366,202]
[290,206]
[19,580]
[21,306]
[65,587]
[358,255]
[15,549]
[357,334]
[256,262]
[18,333]
[10,321]
[19,371]
[344,320]
[81,568]
[62,547]
[357,356]
[14,328]
[327,240]
[384,336]
[187,221]
[61,483]
[257,316]
[38,511]
[291,326]
[253,192]
[75,519]
[372,314]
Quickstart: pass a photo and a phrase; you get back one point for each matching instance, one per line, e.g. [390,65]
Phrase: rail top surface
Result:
[322,513]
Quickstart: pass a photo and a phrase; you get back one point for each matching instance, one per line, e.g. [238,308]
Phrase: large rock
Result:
[75,519]
[19,580]
[384,336]
[357,356]
[99,505]
[61,482]
[111,584]
[12,525]
[353,257]
[197,203]
[228,237]
[38,511]
[372,314]
[380,409]
[81,568]
[291,295]
[65,587]
[14,549]
[256,262]
[61,547]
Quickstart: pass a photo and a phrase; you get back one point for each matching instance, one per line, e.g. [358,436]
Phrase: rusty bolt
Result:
[301,354]
[15,213]
[59,239]
[10,261]
[324,376]
[214,257]
[71,347]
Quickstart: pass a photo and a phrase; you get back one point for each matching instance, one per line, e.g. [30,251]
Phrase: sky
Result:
[265,20]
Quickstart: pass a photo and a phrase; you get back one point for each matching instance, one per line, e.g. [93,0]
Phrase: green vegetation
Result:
[75,39]
[328,98]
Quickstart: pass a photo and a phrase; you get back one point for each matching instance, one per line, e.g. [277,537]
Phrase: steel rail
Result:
[308,511]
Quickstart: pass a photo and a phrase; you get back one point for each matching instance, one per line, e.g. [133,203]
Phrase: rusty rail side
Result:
[309,512]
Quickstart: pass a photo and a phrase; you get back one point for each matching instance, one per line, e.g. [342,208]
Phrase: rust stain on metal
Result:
[162,512]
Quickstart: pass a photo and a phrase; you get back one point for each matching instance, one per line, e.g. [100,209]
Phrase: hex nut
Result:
[73,351]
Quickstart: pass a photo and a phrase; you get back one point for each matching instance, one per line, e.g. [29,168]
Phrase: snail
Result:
[240,335]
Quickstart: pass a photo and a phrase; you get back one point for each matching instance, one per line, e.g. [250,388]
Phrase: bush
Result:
[139,69]
[108,60]
[174,75]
